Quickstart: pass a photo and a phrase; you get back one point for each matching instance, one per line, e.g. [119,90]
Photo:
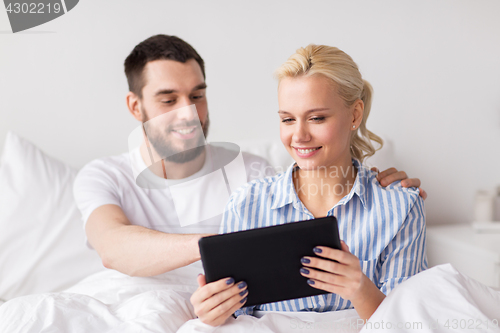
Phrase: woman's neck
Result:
[322,188]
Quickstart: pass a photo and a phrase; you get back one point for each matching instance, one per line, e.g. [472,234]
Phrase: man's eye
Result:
[170,101]
[197,97]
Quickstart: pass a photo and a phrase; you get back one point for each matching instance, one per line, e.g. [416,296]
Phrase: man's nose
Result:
[186,113]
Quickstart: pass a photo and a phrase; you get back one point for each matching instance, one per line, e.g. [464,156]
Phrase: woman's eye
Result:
[317,119]
[286,120]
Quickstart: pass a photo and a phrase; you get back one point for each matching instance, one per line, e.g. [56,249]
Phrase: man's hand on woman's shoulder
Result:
[392,175]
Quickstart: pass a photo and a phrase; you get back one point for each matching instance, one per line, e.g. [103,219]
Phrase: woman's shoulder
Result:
[393,194]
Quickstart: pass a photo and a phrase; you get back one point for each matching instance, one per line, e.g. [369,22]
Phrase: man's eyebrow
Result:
[200,86]
[308,111]
[165,92]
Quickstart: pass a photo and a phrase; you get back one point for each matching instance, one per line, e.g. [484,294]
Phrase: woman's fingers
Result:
[342,256]
[334,289]
[325,265]
[208,290]
[219,314]
[213,303]
[201,280]
[337,272]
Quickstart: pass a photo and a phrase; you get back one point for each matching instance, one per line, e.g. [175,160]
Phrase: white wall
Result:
[434,66]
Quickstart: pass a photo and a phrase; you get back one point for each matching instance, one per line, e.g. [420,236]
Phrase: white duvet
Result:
[112,302]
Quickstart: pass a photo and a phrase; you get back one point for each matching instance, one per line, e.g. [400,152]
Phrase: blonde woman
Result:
[323,107]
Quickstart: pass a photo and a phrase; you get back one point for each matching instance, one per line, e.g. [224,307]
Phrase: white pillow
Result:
[42,243]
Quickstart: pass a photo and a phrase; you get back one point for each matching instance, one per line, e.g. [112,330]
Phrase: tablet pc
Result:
[268,258]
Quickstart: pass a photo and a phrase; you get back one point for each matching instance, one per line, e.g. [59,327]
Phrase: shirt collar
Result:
[286,193]
[286,190]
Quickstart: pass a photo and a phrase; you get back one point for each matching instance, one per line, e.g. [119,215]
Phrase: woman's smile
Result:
[306,152]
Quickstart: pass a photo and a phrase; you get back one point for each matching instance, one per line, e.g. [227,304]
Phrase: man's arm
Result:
[136,250]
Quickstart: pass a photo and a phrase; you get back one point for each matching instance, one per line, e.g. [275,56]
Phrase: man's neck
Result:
[171,170]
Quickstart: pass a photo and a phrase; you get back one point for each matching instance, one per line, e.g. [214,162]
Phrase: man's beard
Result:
[167,151]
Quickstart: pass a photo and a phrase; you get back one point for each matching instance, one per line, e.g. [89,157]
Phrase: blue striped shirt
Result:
[383,226]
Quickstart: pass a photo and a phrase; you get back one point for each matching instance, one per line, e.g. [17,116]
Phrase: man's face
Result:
[175,131]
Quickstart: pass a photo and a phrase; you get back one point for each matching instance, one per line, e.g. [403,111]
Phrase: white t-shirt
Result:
[172,206]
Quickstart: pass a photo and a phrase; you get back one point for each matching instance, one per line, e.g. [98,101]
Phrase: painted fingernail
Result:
[243,292]
[242,285]
[305,261]
[243,300]
[317,250]
[304,270]
[229,281]
[310,281]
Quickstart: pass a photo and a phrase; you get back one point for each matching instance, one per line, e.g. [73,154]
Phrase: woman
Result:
[324,105]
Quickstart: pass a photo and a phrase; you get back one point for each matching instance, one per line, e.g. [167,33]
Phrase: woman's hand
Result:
[392,175]
[344,278]
[215,302]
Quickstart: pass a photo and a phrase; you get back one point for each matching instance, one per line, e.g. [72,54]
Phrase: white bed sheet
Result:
[107,301]
[113,302]
[438,300]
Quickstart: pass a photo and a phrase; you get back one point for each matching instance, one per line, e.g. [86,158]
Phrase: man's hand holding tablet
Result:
[272,261]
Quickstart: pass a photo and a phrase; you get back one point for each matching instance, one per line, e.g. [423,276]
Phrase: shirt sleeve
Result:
[95,186]
[405,255]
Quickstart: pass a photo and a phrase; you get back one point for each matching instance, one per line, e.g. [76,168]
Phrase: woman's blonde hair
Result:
[342,70]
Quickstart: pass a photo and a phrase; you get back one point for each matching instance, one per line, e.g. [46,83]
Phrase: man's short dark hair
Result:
[157,48]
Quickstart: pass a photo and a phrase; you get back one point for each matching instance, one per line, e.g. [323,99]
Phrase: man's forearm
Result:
[139,251]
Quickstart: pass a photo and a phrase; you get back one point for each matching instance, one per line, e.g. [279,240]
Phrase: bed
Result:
[51,282]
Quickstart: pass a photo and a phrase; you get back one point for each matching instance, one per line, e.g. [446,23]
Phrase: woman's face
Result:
[315,124]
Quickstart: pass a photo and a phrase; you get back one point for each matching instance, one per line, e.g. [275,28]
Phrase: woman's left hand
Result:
[343,277]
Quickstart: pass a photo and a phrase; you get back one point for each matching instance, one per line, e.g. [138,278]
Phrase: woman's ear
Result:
[133,103]
[357,113]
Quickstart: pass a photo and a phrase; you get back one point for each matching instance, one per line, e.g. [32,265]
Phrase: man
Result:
[122,219]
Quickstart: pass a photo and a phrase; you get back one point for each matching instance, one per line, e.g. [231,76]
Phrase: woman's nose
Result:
[301,133]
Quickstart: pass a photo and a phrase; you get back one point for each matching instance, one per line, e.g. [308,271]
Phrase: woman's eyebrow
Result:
[308,111]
